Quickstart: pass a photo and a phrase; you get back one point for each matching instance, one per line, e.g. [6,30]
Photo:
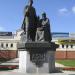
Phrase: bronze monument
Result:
[36,47]
[30,21]
[35,27]
[43,30]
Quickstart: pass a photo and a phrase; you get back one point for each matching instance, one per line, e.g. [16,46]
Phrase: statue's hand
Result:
[24,32]
[40,29]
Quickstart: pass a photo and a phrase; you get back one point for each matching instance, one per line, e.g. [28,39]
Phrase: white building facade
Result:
[8,44]
[9,41]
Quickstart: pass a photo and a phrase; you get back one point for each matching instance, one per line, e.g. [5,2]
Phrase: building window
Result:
[71,46]
[62,46]
[2,45]
[6,45]
[66,46]
[11,45]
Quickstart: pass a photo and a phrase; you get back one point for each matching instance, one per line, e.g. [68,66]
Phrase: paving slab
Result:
[19,73]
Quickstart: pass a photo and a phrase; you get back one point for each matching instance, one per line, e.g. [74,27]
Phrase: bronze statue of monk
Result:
[43,29]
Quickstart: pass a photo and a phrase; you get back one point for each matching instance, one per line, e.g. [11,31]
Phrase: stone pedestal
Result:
[51,61]
[22,61]
[33,52]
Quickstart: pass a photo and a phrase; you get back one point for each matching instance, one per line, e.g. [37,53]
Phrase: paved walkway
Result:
[59,65]
[19,73]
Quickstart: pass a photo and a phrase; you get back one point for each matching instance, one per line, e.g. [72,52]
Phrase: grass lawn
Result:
[70,63]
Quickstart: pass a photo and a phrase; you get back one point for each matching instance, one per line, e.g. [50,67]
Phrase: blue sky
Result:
[60,12]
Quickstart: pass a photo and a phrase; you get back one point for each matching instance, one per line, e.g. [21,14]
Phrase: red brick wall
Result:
[13,54]
[60,55]
[8,54]
[71,55]
[65,55]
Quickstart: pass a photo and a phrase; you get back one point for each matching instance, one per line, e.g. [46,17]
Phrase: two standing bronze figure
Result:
[36,29]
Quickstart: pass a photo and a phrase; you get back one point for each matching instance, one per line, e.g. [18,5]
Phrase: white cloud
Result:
[73,9]
[2,28]
[67,11]
[63,11]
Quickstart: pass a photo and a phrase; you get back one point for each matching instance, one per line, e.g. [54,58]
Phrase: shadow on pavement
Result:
[58,70]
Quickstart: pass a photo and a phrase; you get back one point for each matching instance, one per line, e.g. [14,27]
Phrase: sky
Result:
[60,12]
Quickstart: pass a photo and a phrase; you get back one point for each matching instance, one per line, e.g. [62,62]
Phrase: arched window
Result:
[71,46]
[11,45]
[2,45]
[66,46]
[6,45]
[62,46]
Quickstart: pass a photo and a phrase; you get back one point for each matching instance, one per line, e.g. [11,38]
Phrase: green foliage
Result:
[66,41]
[70,63]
